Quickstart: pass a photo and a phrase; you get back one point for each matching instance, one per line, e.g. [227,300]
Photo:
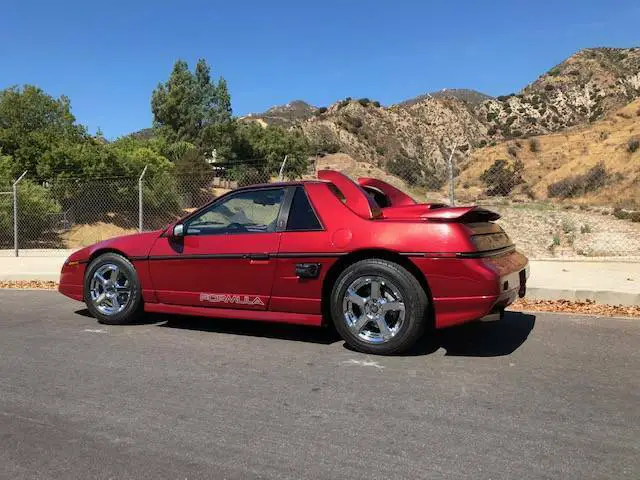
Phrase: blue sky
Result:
[108,56]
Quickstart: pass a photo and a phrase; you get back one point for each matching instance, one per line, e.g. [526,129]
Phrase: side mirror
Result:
[178,230]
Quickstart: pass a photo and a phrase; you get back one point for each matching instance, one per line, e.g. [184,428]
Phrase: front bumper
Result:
[72,279]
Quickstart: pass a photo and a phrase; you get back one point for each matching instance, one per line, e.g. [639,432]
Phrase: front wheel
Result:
[379,307]
[112,290]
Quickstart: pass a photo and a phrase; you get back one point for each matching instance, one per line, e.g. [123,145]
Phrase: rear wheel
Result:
[378,307]
[112,290]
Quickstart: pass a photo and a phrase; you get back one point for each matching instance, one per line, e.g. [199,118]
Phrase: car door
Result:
[225,258]
[304,258]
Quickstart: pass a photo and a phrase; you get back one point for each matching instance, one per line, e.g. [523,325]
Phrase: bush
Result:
[635,217]
[415,173]
[633,145]
[577,185]
[377,104]
[36,211]
[534,145]
[501,177]
[321,110]
[620,214]
[364,101]
[513,151]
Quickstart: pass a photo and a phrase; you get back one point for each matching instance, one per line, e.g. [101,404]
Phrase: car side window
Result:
[253,211]
[302,216]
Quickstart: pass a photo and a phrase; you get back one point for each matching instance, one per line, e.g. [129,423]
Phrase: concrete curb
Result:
[605,297]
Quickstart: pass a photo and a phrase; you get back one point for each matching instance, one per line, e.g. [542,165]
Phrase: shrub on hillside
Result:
[620,214]
[502,176]
[576,185]
[633,144]
[364,101]
[534,145]
[415,173]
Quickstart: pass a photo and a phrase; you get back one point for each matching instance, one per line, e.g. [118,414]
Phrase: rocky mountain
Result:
[471,97]
[284,115]
[580,90]
[414,139]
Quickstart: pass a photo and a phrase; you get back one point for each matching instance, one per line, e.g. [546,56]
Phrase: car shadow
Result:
[478,339]
[282,331]
[475,339]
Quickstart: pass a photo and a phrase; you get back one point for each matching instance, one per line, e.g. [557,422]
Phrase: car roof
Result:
[291,183]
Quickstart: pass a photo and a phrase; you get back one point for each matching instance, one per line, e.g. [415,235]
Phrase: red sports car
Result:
[364,256]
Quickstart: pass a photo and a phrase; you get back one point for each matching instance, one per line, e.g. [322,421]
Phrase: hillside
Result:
[580,90]
[472,97]
[284,115]
[413,139]
[551,158]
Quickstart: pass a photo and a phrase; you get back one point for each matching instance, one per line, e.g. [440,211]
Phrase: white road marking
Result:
[95,330]
[364,363]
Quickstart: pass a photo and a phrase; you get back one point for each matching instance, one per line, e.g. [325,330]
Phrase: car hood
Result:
[135,245]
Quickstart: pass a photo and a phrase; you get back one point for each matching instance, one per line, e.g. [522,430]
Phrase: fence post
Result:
[281,174]
[140,208]
[15,213]
[452,180]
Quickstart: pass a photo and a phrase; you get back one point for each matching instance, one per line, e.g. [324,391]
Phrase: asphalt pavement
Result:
[535,396]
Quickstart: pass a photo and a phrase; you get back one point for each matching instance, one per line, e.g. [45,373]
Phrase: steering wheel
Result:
[236,227]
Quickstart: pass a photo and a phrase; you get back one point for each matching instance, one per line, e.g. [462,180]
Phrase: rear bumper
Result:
[465,290]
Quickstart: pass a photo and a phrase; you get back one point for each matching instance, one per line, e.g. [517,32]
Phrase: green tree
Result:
[33,124]
[272,144]
[34,200]
[188,102]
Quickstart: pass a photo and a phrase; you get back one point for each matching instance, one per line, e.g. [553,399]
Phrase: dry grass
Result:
[87,234]
[562,155]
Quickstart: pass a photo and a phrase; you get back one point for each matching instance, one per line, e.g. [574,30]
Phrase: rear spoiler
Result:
[440,213]
[396,196]
[462,214]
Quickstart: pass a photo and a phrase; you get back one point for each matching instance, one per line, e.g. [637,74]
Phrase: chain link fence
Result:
[67,213]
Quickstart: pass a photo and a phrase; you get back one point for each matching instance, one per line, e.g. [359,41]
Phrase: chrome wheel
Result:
[110,289]
[373,309]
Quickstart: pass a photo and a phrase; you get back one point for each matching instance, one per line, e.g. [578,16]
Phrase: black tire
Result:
[414,297]
[134,306]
